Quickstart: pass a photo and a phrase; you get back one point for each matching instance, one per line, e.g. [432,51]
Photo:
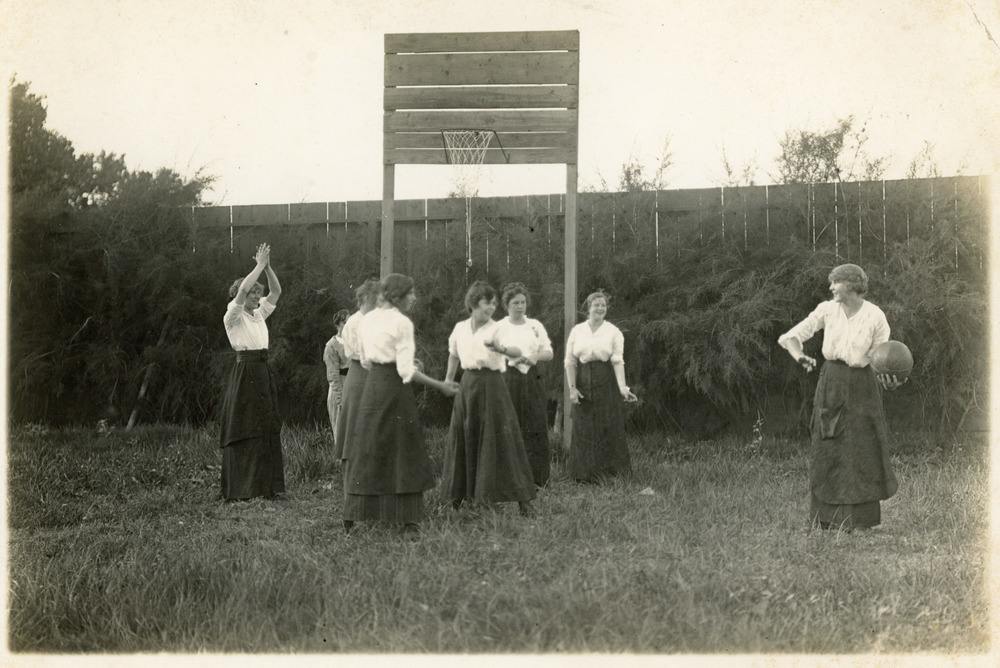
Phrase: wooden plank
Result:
[338,211]
[211,216]
[388,235]
[501,121]
[756,219]
[481,97]
[307,213]
[789,209]
[260,214]
[524,156]
[507,139]
[570,294]
[448,208]
[408,209]
[366,211]
[431,42]
[823,216]
[469,69]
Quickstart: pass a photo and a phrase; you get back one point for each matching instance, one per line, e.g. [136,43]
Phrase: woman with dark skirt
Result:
[524,382]
[388,469]
[250,434]
[354,382]
[595,372]
[486,461]
[336,363]
[849,472]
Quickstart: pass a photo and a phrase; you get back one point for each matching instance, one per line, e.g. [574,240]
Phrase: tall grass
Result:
[120,543]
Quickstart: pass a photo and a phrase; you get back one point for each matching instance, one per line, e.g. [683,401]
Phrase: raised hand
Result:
[263,255]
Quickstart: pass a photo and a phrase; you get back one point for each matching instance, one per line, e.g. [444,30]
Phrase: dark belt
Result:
[251,355]
[478,370]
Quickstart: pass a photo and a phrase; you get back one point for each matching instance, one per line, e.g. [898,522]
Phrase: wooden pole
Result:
[388,194]
[569,287]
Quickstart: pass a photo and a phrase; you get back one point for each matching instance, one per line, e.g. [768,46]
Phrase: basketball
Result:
[892,357]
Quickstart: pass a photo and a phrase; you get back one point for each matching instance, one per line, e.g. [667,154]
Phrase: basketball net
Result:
[466,150]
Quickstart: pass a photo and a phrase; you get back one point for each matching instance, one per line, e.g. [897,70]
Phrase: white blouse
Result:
[583,345]
[529,337]
[349,335]
[247,331]
[847,339]
[386,336]
[470,349]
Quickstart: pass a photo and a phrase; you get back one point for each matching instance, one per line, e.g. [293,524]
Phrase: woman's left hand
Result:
[629,396]
[889,381]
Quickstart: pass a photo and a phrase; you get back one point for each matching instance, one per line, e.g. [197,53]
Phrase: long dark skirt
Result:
[252,463]
[350,393]
[388,468]
[849,473]
[486,460]
[597,446]
[527,394]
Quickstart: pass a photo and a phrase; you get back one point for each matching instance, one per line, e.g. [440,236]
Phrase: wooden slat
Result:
[507,139]
[481,97]
[537,40]
[305,213]
[482,68]
[527,156]
[364,211]
[260,214]
[501,121]
[211,216]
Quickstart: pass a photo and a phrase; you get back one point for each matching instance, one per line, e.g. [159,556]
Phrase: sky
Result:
[282,102]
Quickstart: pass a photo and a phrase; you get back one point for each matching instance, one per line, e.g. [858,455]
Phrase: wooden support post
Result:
[388,195]
[569,290]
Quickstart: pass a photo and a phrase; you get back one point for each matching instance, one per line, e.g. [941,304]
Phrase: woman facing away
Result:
[336,363]
[595,373]
[849,471]
[485,461]
[250,434]
[388,469]
[354,383]
[524,382]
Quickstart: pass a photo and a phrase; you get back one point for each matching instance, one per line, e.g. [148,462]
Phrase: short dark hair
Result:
[340,317]
[395,287]
[597,294]
[853,276]
[366,293]
[477,292]
[235,287]
[512,290]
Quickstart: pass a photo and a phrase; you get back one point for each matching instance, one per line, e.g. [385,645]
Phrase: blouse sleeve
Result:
[453,342]
[570,360]
[544,344]
[805,329]
[880,329]
[265,307]
[406,349]
[232,316]
[617,347]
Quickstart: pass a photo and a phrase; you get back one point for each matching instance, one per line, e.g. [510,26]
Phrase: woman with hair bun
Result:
[595,372]
[388,469]
[849,471]
[336,363]
[486,461]
[524,381]
[354,383]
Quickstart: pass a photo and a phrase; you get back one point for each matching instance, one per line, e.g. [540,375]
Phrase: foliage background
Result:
[114,289]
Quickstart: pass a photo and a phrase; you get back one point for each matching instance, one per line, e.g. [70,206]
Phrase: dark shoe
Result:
[348,525]
[410,530]
[524,507]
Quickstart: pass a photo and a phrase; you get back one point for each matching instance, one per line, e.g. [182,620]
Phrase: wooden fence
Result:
[859,221]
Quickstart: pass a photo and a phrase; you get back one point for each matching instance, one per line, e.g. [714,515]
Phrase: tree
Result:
[737,175]
[837,154]
[633,178]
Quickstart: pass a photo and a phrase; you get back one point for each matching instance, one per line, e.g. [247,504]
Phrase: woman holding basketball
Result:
[486,461]
[524,382]
[849,473]
[595,372]
[354,383]
[250,434]
[387,469]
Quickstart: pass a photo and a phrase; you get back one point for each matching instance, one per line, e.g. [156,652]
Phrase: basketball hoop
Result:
[466,149]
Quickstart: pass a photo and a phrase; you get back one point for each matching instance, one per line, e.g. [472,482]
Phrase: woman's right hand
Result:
[263,255]
[575,396]
[808,363]
[450,388]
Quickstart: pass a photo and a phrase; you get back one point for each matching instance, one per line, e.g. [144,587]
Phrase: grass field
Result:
[119,543]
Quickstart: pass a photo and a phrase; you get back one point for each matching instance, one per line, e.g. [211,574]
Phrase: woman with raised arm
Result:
[849,472]
[388,469]
[250,434]
[486,461]
[336,363]
[354,383]
[524,382]
[595,372]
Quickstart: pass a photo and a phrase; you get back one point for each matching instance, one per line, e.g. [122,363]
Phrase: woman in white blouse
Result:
[250,434]
[524,382]
[595,372]
[354,383]
[387,466]
[336,363]
[849,472]
[486,461]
